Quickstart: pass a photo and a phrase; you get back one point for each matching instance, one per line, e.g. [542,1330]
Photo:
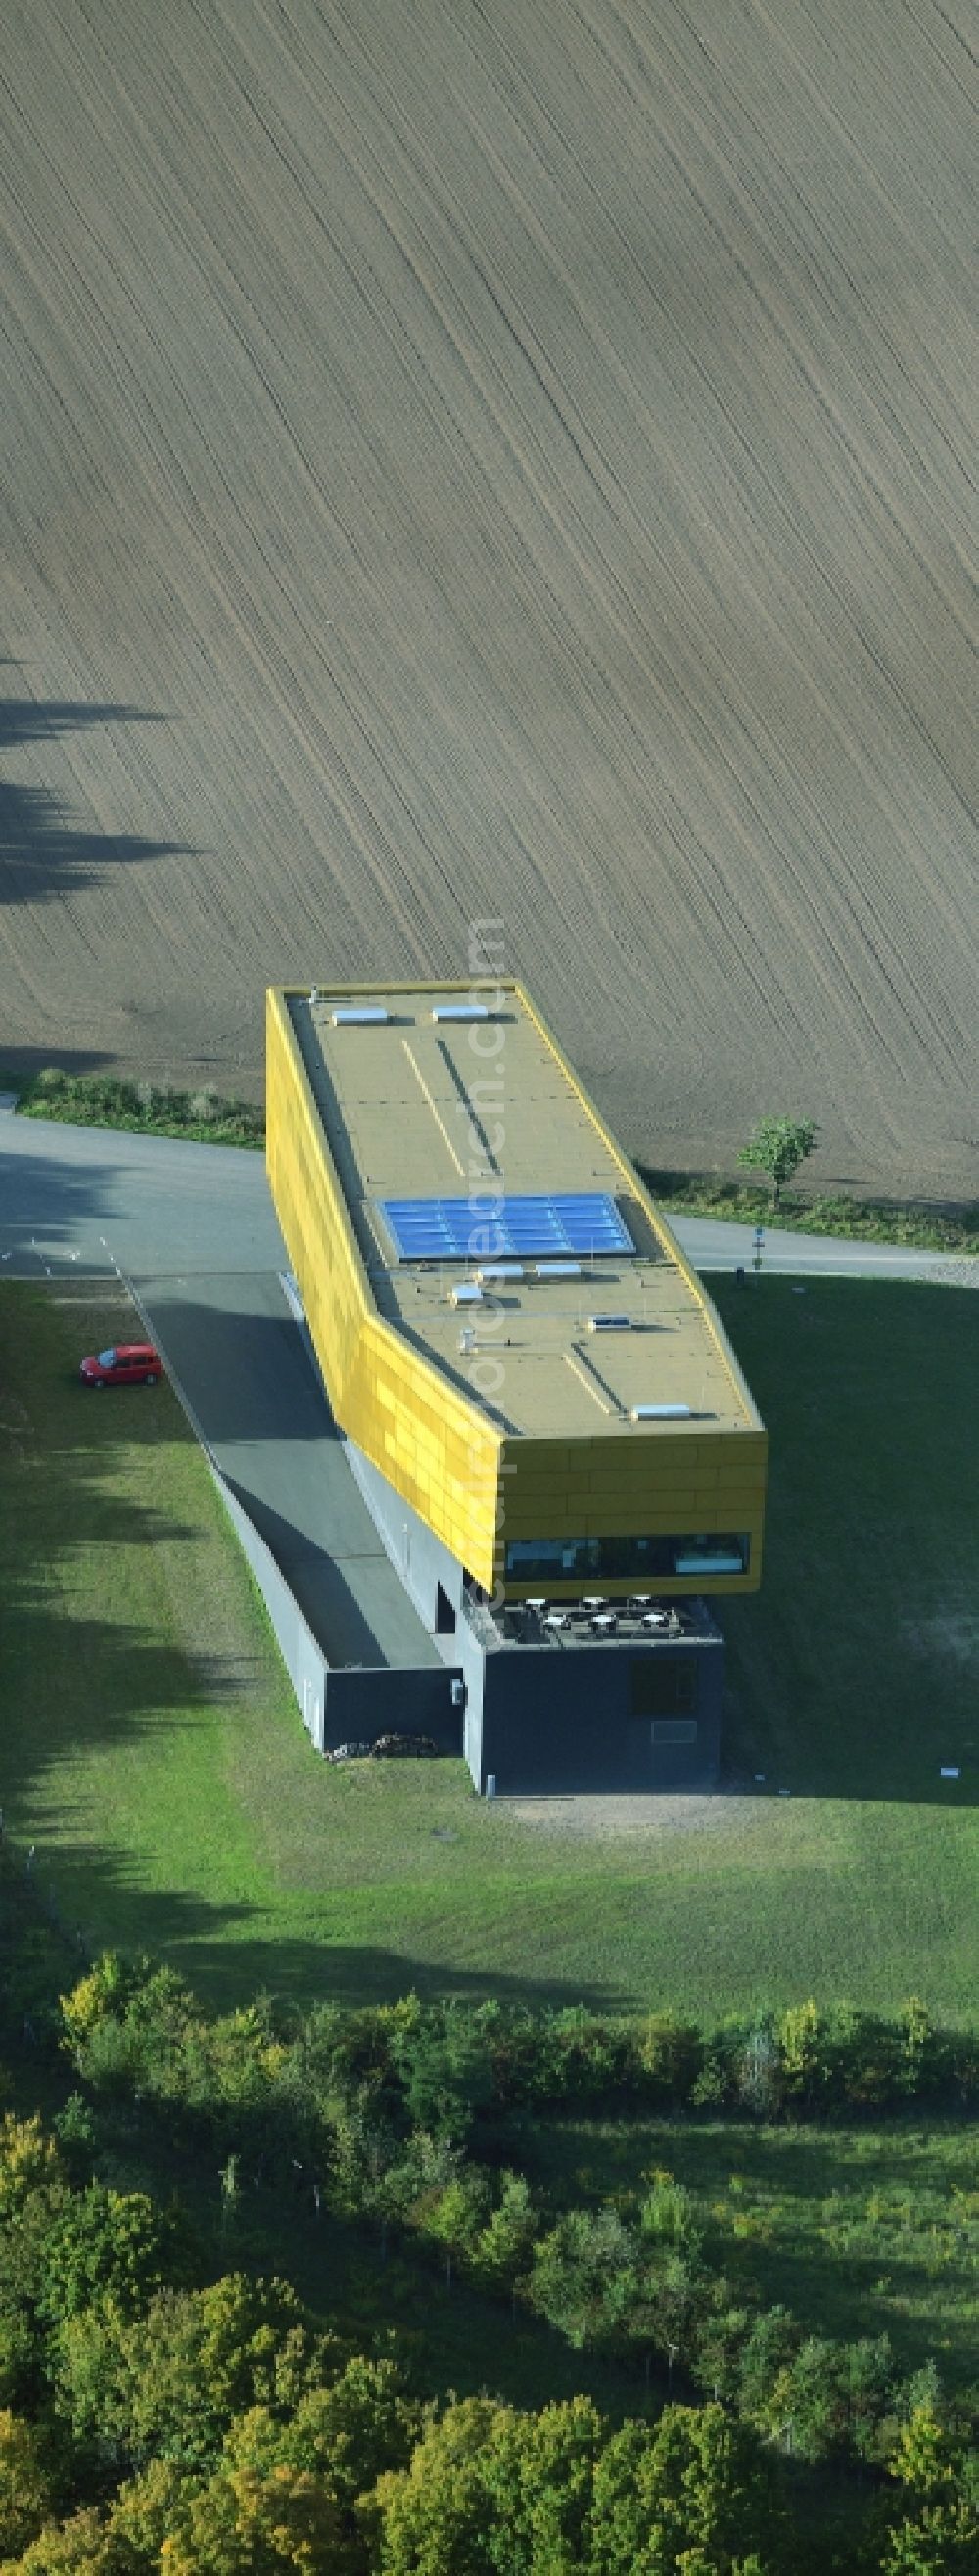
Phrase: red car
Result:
[126,1364]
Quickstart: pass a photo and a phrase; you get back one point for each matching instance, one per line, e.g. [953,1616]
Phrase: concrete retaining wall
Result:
[304,1660]
[343,1703]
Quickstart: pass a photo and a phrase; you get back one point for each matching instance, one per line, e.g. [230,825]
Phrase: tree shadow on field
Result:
[97,1899]
[45,1199]
[43,855]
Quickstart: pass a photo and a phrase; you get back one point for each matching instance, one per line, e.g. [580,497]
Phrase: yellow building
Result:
[509,1334]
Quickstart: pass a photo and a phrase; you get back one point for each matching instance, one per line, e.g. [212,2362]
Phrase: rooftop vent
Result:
[610,1323]
[466,1294]
[460,1011]
[500,1270]
[558,1269]
[660,1413]
[357,1014]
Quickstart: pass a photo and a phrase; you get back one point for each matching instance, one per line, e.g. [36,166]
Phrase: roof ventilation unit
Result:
[467,1293]
[500,1270]
[557,1269]
[660,1413]
[610,1323]
[460,1011]
[357,1014]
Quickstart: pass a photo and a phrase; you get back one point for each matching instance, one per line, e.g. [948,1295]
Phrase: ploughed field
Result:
[508,462]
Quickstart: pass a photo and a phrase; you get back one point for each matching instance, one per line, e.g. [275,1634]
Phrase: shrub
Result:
[670,2056]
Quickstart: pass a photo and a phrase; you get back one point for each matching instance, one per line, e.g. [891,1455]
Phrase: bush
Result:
[109,1100]
[670,2055]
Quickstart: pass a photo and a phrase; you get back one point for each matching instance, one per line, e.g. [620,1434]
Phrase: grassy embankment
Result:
[201,1117]
[859,2229]
[154,1756]
[920,1229]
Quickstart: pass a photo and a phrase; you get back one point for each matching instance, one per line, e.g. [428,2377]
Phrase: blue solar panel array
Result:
[577,1222]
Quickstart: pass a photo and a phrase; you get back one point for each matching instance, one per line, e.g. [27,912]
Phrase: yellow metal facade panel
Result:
[441,1452]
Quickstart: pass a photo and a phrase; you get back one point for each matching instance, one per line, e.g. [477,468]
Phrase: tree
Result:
[868,2368]
[432,2519]
[244,2525]
[141,2515]
[25,2487]
[444,2069]
[29,2163]
[940,2535]
[584,2278]
[670,2054]
[73,2548]
[721,2334]
[540,2476]
[801,2050]
[33,2194]
[168,2384]
[694,2491]
[667,2216]
[455,2216]
[766,2360]
[111,2244]
[808,2406]
[778,1146]
[349,2433]
[491,2492]
[503,2250]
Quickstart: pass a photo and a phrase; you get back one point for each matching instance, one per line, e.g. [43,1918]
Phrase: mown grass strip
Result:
[201,1117]
[862,1220]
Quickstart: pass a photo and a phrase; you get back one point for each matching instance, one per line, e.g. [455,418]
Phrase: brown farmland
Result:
[466,458]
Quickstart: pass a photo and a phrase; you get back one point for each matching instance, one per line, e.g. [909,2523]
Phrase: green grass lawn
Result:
[867,2230]
[152,1752]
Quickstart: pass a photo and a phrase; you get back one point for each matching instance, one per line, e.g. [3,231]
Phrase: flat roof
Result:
[421,1108]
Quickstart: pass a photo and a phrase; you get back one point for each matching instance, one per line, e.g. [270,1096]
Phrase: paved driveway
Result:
[230,1341]
[194,1227]
[712,1244]
[90,1196]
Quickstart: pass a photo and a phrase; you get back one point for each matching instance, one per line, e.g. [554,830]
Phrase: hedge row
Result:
[449,2065]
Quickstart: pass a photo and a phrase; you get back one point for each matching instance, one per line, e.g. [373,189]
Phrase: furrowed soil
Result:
[498,462]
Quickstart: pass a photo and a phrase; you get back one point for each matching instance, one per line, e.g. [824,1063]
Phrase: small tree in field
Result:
[777,1147]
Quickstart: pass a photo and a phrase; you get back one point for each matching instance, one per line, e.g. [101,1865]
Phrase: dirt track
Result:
[499,458]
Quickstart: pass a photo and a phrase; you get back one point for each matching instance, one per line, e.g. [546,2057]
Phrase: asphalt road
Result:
[231,1344]
[90,1197]
[194,1229]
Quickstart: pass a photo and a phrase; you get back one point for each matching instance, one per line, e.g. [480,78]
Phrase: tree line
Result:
[380,2116]
[447,2065]
[155,2422]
